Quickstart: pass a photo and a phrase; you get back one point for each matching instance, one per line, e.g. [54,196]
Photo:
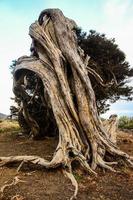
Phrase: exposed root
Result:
[15,181]
[111,163]
[130,162]
[73,181]
[82,160]
[19,167]
[17,197]
[56,161]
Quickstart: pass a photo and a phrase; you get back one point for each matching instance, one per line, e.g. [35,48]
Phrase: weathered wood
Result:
[111,126]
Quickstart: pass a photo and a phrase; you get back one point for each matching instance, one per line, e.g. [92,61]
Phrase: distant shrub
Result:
[125,122]
[7,126]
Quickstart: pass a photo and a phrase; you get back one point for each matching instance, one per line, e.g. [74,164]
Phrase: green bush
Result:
[126,122]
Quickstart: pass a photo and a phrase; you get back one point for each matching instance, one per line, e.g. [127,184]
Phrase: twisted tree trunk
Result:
[67,96]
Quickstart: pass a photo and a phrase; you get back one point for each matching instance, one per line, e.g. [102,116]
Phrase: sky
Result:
[112,17]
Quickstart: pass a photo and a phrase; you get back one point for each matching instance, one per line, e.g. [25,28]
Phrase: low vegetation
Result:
[8,125]
[126,122]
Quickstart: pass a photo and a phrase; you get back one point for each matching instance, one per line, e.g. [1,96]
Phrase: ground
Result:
[42,184]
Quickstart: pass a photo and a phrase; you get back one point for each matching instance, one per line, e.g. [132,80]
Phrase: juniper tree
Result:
[62,90]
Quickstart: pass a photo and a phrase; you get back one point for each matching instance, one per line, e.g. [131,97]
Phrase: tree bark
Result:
[111,126]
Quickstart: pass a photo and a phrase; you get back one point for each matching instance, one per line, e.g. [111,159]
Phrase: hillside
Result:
[2,116]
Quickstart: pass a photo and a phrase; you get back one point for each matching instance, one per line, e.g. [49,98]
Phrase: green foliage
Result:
[126,122]
[110,63]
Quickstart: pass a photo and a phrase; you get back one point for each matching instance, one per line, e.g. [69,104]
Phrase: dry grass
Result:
[9,125]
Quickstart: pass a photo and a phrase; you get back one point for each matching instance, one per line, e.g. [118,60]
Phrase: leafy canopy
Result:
[110,63]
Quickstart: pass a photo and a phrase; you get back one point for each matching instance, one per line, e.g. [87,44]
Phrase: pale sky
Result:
[112,17]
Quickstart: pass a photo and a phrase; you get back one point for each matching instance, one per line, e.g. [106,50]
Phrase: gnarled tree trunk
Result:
[63,89]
